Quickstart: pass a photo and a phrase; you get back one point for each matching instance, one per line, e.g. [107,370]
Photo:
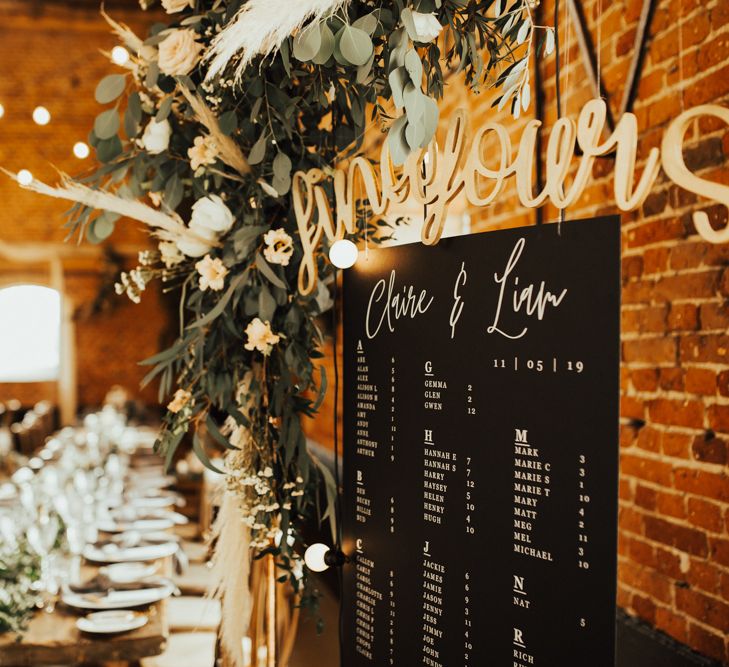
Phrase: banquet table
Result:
[52,637]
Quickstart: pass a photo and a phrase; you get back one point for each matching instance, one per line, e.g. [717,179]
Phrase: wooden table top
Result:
[54,639]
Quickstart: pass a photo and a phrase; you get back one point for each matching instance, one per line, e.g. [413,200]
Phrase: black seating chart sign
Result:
[481,450]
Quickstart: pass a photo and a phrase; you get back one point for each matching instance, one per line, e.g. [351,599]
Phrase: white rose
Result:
[427,26]
[156,137]
[260,336]
[193,247]
[174,6]
[179,52]
[212,214]
[212,273]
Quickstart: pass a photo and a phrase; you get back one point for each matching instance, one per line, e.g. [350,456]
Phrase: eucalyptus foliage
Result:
[307,105]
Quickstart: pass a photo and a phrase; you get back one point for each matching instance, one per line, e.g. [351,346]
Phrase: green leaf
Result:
[106,124]
[414,105]
[430,119]
[397,143]
[174,191]
[355,45]
[258,151]
[263,266]
[222,303]
[368,23]
[109,88]
[322,389]
[415,133]
[109,149]
[398,79]
[266,304]
[228,122]
[164,110]
[326,49]
[282,173]
[414,67]
[171,448]
[152,75]
[202,455]
[406,16]
[245,237]
[102,227]
[363,71]
[214,431]
[307,43]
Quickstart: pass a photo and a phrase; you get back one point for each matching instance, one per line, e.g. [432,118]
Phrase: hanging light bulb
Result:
[41,116]
[25,177]
[119,55]
[81,150]
[315,557]
[343,254]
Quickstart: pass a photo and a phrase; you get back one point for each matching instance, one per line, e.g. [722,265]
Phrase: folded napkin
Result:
[102,584]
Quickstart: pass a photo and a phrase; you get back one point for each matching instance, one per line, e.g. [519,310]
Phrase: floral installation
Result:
[198,140]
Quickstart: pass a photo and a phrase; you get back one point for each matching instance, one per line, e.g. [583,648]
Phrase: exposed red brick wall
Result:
[52,57]
[674,488]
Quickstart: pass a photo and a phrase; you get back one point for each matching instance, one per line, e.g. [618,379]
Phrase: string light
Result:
[315,557]
[343,254]
[81,150]
[25,177]
[119,55]
[41,116]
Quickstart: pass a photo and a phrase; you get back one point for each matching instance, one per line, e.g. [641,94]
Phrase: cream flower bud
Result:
[179,53]
[156,137]
[174,6]
[279,247]
[179,401]
[202,152]
[170,253]
[260,336]
[427,26]
[212,273]
[211,213]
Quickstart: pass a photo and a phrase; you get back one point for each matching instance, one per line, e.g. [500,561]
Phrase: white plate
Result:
[124,573]
[114,554]
[107,622]
[141,525]
[153,501]
[119,599]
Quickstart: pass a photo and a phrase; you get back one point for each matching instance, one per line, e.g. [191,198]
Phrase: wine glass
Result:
[42,536]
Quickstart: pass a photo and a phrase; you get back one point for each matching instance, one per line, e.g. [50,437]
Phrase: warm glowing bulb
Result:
[25,177]
[2,110]
[315,557]
[81,150]
[119,55]
[41,116]
[343,254]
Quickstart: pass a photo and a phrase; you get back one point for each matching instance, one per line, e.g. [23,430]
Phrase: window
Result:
[30,333]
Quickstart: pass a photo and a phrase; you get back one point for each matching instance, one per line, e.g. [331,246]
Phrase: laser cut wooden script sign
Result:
[434,181]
